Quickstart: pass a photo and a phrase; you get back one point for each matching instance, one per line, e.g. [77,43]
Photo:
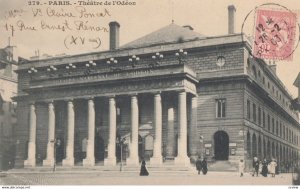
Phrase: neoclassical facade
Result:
[168,97]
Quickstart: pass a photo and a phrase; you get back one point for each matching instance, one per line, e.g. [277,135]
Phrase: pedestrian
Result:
[204,166]
[273,166]
[260,167]
[255,165]
[264,170]
[144,171]
[199,165]
[241,167]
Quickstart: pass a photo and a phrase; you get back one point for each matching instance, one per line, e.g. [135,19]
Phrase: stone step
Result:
[222,166]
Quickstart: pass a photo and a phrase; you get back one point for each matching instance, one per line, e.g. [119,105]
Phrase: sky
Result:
[145,16]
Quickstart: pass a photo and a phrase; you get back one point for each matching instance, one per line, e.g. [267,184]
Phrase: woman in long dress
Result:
[144,171]
[273,166]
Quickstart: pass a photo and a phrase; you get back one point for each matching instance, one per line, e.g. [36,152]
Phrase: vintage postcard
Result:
[140,92]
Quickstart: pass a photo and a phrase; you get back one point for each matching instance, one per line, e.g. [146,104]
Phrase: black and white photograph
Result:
[149,92]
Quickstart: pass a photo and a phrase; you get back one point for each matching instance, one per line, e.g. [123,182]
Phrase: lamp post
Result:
[180,54]
[156,57]
[134,59]
[202,146]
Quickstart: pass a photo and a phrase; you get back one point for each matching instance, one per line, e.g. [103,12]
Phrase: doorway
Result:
[221,140]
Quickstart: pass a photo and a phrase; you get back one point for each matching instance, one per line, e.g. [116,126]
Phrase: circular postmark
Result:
[274,32]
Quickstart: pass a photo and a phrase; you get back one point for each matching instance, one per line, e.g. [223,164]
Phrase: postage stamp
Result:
[274,34]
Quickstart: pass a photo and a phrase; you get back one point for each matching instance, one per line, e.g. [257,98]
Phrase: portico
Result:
[154,111]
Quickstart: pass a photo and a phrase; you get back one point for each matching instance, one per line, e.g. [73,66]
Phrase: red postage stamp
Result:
[274,34]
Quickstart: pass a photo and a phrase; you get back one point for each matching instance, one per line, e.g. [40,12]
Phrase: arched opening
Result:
[259,152]
[254,146]
[269,150]
[149,142]
[265,148]
[273,150]
[221,140]
[99,148]
[60,149]
[248,145]
[141,148]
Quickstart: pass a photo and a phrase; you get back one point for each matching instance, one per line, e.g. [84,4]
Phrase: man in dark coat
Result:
[264,170]
[199,165]
[204,166]
[143,171]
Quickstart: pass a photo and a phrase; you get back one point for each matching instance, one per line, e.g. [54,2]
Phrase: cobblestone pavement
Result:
[132,178]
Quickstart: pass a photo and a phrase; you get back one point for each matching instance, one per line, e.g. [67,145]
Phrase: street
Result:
[133,178]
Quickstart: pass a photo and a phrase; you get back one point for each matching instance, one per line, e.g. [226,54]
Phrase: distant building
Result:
[171,96]
[8,89]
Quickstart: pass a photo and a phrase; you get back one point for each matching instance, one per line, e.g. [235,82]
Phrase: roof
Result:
[168,34]
[297,81]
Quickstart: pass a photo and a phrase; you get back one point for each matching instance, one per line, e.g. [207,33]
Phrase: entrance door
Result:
[221,140]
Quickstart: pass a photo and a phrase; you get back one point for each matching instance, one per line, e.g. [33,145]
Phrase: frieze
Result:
[40,80]
[103,90]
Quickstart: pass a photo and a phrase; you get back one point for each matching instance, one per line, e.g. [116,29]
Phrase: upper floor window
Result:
[263,80]
[269,123]
[264,119]
[248,109]
[273,125]
[259,116]
[254,112]
[276,127]
[254,71]
[220,108]
[280,130]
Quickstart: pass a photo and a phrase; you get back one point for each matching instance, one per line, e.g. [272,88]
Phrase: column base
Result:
[68,162]
[184,161]
[156,161]
[48,162]
[29,163]
[110,161]
[132,162]
[88,162]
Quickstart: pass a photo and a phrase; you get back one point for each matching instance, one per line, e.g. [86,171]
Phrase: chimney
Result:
[231,19]
[272,66]
[114,28]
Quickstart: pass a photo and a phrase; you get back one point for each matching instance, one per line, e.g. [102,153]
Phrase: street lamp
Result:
[180,54]
[134,59]
[202,146]
[156,57]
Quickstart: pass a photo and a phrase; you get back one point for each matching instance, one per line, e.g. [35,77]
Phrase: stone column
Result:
[157,114]
[111,156]
[49,161]
[90,148]
[182,158]
[31,162]
[194,140]
[69,160]
[133,151]
[170,135]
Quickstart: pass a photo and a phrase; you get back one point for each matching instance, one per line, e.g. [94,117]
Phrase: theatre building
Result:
[167,97]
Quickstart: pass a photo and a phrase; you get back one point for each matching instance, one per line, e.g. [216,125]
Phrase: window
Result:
[248,109]
[263,80]
[268,85]
[273,125]
[254,71]
[254,112]
[269,123]
[259,116]
[264,119]
[283,129]
[276,127]
[280,133]
[220,108]
[118,112]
